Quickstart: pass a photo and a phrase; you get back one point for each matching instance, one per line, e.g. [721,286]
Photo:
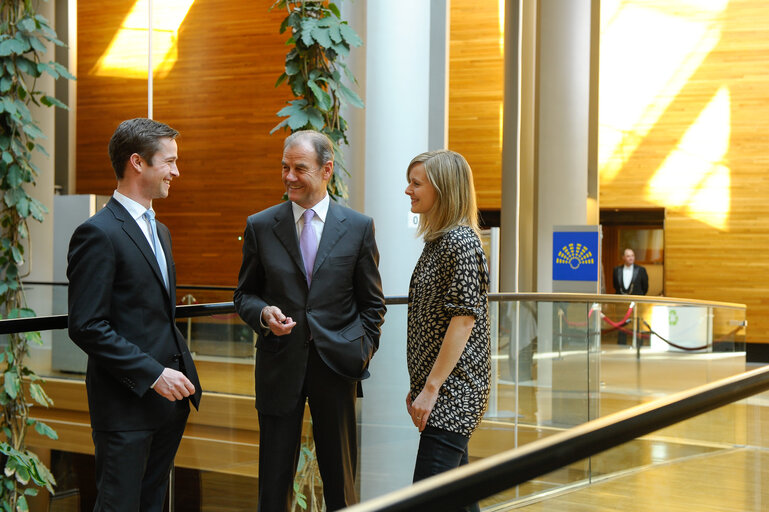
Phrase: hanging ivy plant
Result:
[316,75]
[23,38]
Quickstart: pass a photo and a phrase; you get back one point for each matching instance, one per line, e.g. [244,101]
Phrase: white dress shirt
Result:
[137,212]
[627,275]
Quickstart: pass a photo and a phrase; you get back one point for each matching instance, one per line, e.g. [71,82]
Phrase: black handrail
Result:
[47,323]
[505,470]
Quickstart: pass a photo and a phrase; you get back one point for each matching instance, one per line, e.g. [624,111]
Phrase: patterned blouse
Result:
[451,279]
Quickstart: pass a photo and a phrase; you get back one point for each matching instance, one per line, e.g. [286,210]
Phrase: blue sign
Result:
[575,256]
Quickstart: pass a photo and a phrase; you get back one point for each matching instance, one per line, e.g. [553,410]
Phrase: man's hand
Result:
[174,385]
[277,322]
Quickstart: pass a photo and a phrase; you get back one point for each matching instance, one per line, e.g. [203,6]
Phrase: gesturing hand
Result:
[174,385]
[278,323]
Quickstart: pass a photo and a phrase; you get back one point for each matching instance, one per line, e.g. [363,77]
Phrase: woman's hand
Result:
[421,407]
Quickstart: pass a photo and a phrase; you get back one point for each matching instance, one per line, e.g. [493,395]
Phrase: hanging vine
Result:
[316,73]
[24,35]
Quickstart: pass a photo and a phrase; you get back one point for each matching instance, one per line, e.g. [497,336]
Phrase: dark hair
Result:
[324,149]
[141,136]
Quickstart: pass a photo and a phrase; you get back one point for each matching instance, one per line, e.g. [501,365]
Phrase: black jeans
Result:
[439,451]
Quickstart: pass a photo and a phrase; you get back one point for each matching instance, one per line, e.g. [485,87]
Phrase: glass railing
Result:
[558,362]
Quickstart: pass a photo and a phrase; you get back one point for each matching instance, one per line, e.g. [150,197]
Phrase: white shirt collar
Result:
[135,209]
[321,209]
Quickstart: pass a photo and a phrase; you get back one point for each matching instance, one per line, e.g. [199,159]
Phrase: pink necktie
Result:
[308,243]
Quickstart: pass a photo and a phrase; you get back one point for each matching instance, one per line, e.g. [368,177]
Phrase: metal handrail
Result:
[46,323]
[489,476]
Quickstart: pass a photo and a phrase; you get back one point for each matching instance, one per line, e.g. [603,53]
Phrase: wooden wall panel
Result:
[220,95]
[704,155]
[476,84]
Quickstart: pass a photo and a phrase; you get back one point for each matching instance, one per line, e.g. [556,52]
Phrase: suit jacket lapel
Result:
[131,228]
[333,229]
[285,231]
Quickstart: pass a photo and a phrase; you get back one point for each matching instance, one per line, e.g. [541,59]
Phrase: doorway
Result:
[640,229]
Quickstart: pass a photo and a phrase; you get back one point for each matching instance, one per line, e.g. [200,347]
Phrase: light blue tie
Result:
[150,216]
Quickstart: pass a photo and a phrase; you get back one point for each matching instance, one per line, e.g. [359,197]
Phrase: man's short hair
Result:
[320,142]
[141,136]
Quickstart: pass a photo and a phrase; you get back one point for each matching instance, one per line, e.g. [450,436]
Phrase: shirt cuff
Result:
[156,381]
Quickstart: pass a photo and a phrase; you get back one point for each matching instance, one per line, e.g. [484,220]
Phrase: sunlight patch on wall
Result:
[126,55]
[694,176]
[639,81]
[501,23]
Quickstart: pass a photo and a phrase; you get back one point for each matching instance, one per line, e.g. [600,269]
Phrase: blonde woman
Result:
[448,349]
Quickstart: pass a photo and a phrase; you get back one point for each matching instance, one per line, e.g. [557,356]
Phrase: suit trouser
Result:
[132,466]
[332,406]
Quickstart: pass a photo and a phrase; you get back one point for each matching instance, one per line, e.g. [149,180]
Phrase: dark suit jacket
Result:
[639,285]
[122,316]
[342,310]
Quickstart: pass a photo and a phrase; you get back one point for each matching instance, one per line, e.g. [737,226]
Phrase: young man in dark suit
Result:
[310,287]
[122,305]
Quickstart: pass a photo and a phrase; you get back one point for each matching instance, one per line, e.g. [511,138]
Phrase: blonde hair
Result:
[455,205]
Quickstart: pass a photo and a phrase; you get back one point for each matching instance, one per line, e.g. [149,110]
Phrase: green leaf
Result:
[7,157]
[50,101]
[292,68]
[12,384]
[281,79]
[305,30]
[63,71]
[27,66]
[17,257]
[33,131]
[322,36]
[45,430]
[350,35]
[12,46]
[21,504]
[22,207]
[349,96]
[9,105]
[333,8]
[321,97]
[37,209]
[292,108]
[334,33]
[37,45]
[316,118]
[27,24]
[342,49]
[5,84]
[44,67]
[14,176]
[279,126]
[298,120]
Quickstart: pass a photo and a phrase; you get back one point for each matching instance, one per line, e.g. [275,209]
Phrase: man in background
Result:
[630,279]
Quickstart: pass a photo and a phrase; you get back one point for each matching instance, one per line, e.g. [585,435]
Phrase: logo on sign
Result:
[574,255]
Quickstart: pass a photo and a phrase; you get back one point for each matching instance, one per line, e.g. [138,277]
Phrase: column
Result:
[398,125]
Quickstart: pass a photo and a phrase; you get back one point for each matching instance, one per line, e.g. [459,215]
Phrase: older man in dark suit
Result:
[630,279]
[310,287]
[122,304]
